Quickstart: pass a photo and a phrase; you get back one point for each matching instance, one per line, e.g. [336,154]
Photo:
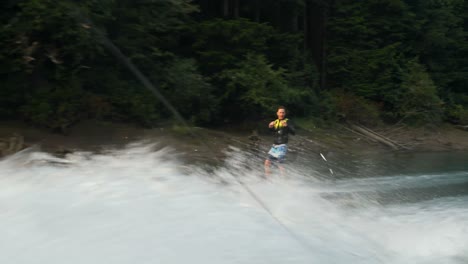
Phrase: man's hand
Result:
[284,123]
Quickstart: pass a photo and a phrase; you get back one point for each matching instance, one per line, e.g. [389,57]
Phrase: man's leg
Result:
[282,170]
[282,160]
[281,166]
[267,167]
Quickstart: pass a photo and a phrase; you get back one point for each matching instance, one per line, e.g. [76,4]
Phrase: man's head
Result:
[281,113]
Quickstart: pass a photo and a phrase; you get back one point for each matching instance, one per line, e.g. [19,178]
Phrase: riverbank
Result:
[203,143]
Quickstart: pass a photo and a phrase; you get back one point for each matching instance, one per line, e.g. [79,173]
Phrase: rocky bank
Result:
[95,136]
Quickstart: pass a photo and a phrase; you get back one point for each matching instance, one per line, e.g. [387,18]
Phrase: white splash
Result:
[141,205]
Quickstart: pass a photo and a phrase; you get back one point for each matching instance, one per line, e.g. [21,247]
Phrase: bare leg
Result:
[282,170]
[267,167]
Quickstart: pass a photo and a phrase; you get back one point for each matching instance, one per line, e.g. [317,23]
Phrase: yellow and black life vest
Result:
[278,123]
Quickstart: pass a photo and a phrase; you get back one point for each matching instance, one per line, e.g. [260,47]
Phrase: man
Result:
[282,128]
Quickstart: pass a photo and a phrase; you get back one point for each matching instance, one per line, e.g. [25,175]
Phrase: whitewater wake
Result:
[142,204]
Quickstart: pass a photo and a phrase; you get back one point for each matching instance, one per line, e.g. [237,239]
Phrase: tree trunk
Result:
[235,8]
[314,41]
[226,8]
[294,25]
[257,11]
[323,34]
[209,10]
[277,14]
[305,25]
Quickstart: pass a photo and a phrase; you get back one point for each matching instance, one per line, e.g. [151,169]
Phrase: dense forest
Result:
[375,61]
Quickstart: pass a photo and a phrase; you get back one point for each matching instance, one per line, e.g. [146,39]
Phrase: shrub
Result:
[255,89]
[419,102]
[57,108]
[457,114]
[356,109]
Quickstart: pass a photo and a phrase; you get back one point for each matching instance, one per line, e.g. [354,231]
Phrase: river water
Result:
[143,204]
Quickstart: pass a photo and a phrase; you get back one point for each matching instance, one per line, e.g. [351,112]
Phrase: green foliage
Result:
[371,73]
[375,64]
[254,67]
[338,105]
[371,24]
[419,101]
[221,44]
[181,130]
[135,106]
[442,40]
[55,70]
[11,95]
[189,91]
[42,47]
[254,89]
[98,106]
[459,98]
[284,49]
[327,106]
[302,75]
[49,32]
[356,108]
[367,50]
[456,110]
[56,57]
[457,114]
[57,107]
[146,30]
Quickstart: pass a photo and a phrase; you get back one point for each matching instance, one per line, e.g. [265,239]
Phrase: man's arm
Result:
[271,126]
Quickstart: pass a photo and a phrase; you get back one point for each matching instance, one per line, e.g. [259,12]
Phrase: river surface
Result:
[144,204]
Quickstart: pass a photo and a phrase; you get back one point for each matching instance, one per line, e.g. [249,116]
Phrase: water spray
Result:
[116,52]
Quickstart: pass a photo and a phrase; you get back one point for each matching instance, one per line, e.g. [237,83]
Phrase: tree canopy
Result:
[233,60]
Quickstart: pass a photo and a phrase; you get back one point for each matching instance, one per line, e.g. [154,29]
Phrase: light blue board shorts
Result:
[278,153]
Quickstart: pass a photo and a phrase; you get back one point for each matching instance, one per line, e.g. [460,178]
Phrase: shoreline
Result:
[96,136]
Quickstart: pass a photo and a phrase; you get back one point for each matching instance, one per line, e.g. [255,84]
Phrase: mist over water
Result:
[142,204]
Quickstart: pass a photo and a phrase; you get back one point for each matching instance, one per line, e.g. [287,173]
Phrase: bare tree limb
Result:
[386,141]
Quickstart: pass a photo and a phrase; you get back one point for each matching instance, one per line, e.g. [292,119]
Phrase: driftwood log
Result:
[377,137]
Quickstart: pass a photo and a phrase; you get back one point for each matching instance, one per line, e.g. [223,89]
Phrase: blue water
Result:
[143,204]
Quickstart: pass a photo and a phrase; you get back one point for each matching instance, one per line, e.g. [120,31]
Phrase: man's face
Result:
[281,113]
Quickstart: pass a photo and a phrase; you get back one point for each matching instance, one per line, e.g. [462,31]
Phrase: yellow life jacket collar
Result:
[278,123]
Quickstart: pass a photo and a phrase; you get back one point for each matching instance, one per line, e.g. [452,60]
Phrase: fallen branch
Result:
[360,134]
[393,130]
[371,134]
